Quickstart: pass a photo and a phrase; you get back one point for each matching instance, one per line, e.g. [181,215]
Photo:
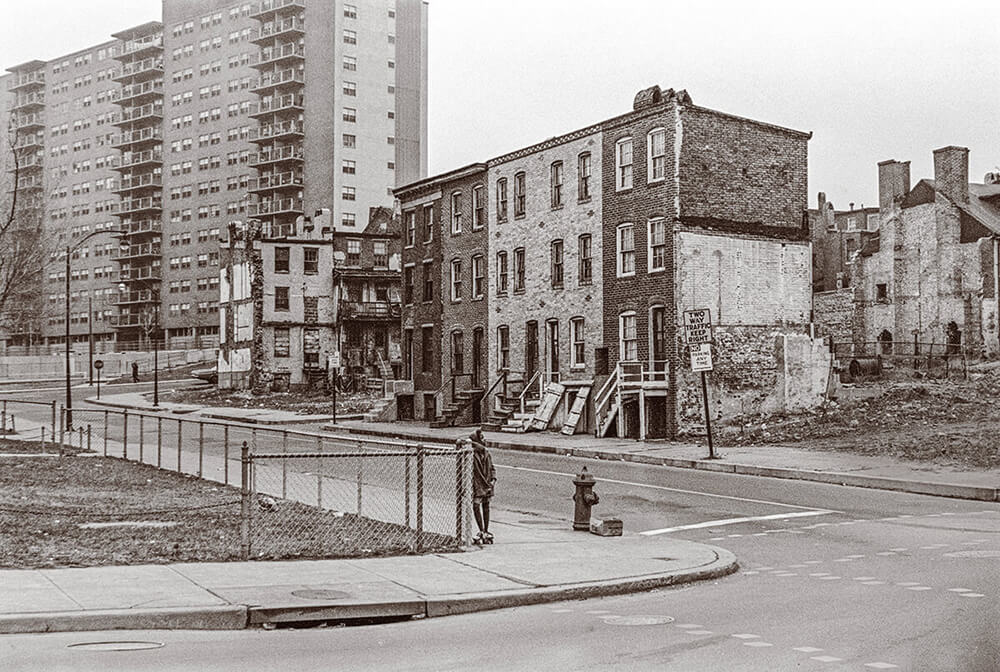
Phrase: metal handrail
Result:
[521,398]
[502,378]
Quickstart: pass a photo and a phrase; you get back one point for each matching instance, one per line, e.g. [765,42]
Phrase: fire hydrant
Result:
[585,498]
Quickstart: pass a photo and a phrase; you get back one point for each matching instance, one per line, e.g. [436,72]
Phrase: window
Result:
[428,281]
[882,293]
[556,263]
[657,245]
[348,193]
[478,207]
[353,252]
[478,277]
[280,299]
[519,269]
[502,199]
[576,333]
[656,155]
[350,37]
[586,260]
[281,342]
[411,227]
[456,212]
[503,348]
[281,256]
[852,223]
[428,223]
[626,250]
[623,164]
[583,177]
[350,88]
[872,222]
[349,140]
[350,63]
[348,167]
[350,12]
[555,184]
[457,352]
[350,114]
[408,285]
[519,194]
[426,349]
[501,273]
[628,344]
[456,279]
[310,260]
[380,253]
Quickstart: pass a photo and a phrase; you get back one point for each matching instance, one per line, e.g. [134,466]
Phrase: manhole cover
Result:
[320,594]
[115,646]
[973,554]
[637,620]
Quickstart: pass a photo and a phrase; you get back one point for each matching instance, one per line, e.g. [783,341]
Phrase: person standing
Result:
[483,477]
[135,372]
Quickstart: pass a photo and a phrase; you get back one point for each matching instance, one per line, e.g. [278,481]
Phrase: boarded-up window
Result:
[281,342]
[310,347]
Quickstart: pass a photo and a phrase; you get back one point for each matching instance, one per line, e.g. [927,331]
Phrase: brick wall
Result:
[535,231]
[833,314]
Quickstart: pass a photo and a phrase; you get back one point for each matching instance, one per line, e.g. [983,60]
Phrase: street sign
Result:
[333,360]
[98,364]
[701,357]
[698,326]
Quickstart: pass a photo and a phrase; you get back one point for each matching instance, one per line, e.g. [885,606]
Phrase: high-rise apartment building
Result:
[269,110]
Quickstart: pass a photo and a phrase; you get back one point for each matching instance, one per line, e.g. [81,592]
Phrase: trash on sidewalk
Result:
[607,527]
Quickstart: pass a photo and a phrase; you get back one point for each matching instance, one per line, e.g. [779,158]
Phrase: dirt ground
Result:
[953,422]
[45,500]
[297,402]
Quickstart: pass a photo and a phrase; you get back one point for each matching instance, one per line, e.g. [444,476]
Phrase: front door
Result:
[530,350]
[658,335]
[552,356]
[477,356]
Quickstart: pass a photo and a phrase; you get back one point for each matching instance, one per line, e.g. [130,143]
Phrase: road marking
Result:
[698,632]
[685,626]
[907,584]
[820,574]
[885,554]
[920,588]
[757,644]
[806,649]
[971,595]
[829,578]
[959,590]
[873,583]
[825,659]
[679,490]
[881,666]
[736,521]
[746,636]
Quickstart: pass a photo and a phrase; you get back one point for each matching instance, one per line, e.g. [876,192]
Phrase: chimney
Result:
[893,182]
[951,172]
[991,178]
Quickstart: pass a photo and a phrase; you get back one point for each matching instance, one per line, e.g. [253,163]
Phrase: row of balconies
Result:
[140,273]
[272,131]
[133,159]
[267,7]
[144,181]
[26,100]
[370,310]
[36,78]
[138,69]
[290,26]
[147,111]
[28,162]
[270,56]
[30,183]
[275,207]
[134,47]
[276,181]
[133,205]
[135,251]
[30,141]
[133,92]
[130,228]
[277,155]
[149,134]
[289,101]
[24,122]
[141,296]
[286,77]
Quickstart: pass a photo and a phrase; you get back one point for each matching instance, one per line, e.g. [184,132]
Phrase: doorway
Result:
[477,356]
[552,351]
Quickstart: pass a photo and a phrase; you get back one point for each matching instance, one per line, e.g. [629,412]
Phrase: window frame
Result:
[624,171]
[519,271]
[520,198]
[585,259]
[557,264]
[478,208]
[455,280]
[503,348]
[287,299]
[503,273]
[501,196]
[578,342]
[651,247]
[651,158]
[476,268]
[584,170]
[310,266]
[555,184]
[456,213]
[620,252]
[428,282]
[623,342]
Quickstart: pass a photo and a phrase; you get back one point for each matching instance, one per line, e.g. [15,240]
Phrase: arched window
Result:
[885,342]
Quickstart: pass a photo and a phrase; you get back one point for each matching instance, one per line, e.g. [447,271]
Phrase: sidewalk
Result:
[141,402]
[776,461]
[528,564]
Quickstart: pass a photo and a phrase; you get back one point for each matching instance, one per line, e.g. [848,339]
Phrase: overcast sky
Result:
[872,80]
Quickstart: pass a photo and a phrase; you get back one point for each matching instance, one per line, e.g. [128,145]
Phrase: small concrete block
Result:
[608,527]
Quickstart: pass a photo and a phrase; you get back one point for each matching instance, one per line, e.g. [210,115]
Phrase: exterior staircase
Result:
[513,407]
[453,410]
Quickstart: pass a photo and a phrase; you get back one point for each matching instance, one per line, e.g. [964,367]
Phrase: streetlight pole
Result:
[90,336]
[69,394]
[156,354]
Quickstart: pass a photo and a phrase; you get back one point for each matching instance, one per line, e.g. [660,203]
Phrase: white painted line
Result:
[959,590]
[898,550]
[920,588]
[806,649]
[829,578]
[971,595]
[881,666]
[746,636]
[662,487]
[749,573]
[728,536]
[562,611]
[758,644]
[795,566]
[825,659]
[864,578]
[685,626]
[907,584]
[759,534]
[854,556]
[787,574]
[873,583]
[886,554]
[844,560]
[699,632]
[764,569]
[820,574]
[597,612]
[735,521]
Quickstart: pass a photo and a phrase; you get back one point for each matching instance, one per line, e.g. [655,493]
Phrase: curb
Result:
[304,420]
[143,409]
[936,489]
[229,617]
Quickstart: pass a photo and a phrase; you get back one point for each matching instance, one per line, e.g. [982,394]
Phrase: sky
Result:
[873,80]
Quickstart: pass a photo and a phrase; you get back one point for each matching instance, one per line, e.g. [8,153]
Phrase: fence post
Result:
[105,433]
[459,494]
[180,431]
[53,416]
[79,432]
[43,438]
[88,437]
[225,454]
[361,475]
[406,491]
[3,415]
[284,464]
[201,447]
[62,429]
[142,438]
[253,450]
[420,493]
[125,436]
[159,442]
[319,487]
[245,500]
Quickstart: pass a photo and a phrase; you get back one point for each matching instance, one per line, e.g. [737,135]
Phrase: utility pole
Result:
[69,394]
[90,337]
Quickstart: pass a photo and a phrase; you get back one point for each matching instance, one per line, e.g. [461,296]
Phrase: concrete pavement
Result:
[255,416]
[532,561]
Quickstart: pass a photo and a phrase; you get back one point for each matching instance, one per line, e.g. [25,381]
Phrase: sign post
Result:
[698,336]
[98,365]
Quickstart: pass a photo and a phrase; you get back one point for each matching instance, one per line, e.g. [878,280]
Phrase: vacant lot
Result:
[312,403]
[87,511]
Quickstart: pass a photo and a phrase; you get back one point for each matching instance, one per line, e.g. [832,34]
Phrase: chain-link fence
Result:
[29,420]
[304,494]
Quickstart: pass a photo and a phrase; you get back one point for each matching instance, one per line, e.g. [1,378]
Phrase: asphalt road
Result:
[832,578]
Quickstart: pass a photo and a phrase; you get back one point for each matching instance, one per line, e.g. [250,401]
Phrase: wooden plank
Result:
[546,409]
[579,404]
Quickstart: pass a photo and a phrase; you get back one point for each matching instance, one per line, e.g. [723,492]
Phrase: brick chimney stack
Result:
[893,182]
[951,172]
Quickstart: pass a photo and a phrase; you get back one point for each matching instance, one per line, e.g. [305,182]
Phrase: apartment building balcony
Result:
[132,160]
[29,162]
[144,46]
[282,130]
[26,102]
[149,111]
[278,230]
[140,205]
[142,273]
[30,183]
[138,251]
[29,122]
[137,182]
[277,155]
[267,9]
[286,180]
[140,227]
[139,71]
[276,206]
[291,28]
[31,141]
[136,94]
[132,320]
[284,54]
[289,77]
[141,296]
[28,81]
[372,311]
[293,102]
[139,138]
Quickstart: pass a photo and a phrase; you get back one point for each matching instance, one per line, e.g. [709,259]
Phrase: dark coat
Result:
[483,473]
